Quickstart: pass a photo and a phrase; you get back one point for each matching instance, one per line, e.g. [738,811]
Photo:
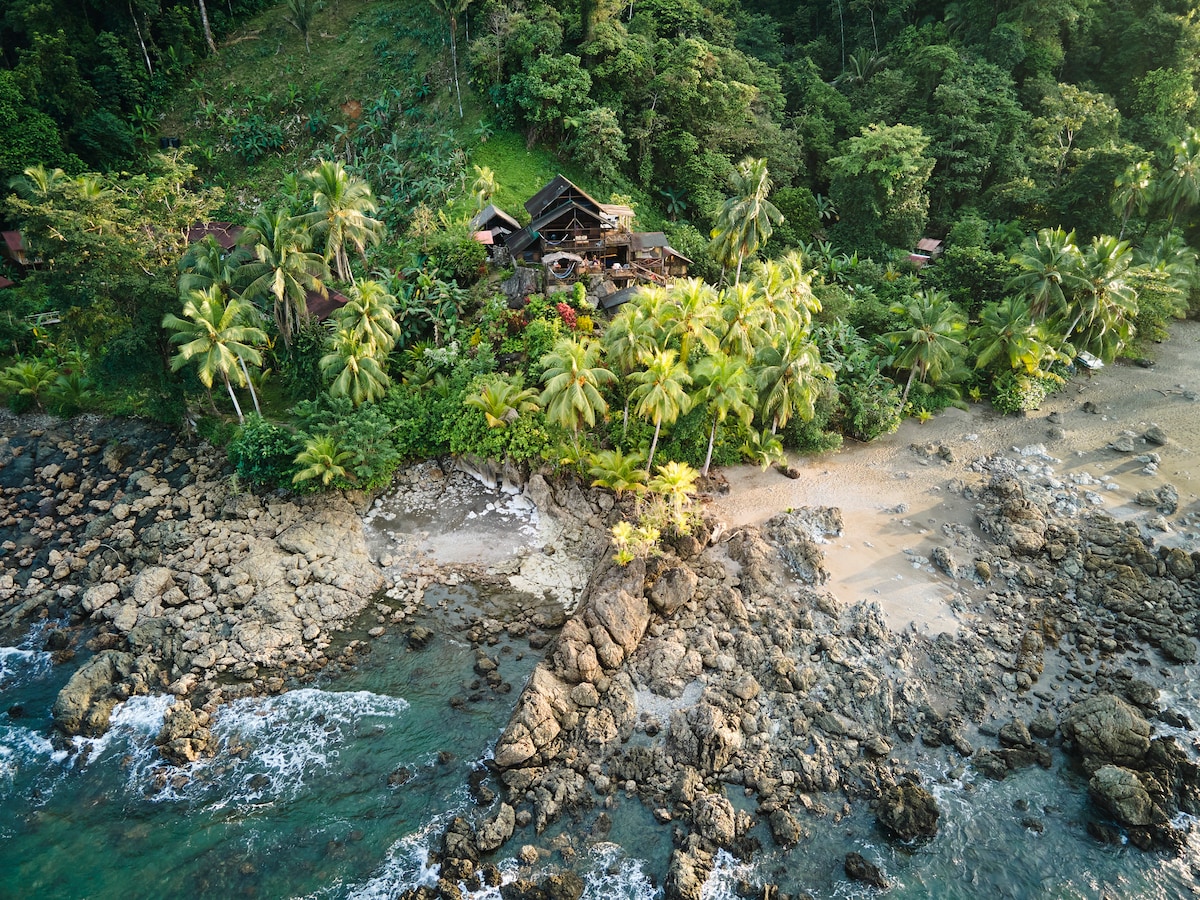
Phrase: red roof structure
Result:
[321,308]
[6,282]
[14,247]
[224,233]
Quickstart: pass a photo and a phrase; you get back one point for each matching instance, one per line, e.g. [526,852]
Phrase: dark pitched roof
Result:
[492,217]
[6,282]
[14,241]
[224,233]
[321,308]
[555,189]
[646,240]
[619,298]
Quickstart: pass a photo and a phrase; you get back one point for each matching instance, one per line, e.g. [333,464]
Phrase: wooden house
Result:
[226,234]
[572,234]
[491,225]
[13,247]
[928,249]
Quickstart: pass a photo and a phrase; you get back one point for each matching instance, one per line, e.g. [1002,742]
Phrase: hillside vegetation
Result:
[795,153]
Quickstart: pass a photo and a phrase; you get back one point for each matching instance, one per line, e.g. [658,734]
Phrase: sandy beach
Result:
[901,495]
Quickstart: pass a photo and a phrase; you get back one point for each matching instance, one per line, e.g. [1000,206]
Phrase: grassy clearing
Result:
[361,50]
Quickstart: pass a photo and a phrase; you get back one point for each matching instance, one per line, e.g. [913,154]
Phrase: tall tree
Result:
[1006,332]
[1050,271]
[747,218]
[691,315]
[212,334]
[725,388]
[285,267]
[369,314]
[450,10]
[572,380]
[354,369]
[343,204]
[929,344]
[879,186]
[789,373]
[661,393]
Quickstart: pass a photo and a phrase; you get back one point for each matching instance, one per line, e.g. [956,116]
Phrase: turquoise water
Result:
[300,805]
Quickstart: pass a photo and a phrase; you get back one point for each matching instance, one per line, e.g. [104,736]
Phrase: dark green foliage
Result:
[519,441]
[457,252]
[262,453]
[687,441]
[254,137]
[815,435]
[368,433]
[105,140]
[299,362]
[972,276]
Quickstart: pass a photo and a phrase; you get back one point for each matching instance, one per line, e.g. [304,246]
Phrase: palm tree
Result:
[725,388]
[1179,182]
[690,313]
[322,457]
[502,402]
[745,320]
[1131,192]
[213,333]
[618,471]
[1050,263]
[285,268]
[343,206]
[746,220]
[789,373]
[628,340]
[484,186]
[370,314]
[28,378]
[676,483]
[37,183]
[929,345]
[571,394]
[354,369]
[451,10]
[661,394]
[763,448]
[206,263]
[1006,331]
[1106,305]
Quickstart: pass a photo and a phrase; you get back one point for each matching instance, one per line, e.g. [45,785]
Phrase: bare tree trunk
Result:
[454,60]
[653,445]
[712,437]
[232,396]
[138,29]
[250,384]
[208,35]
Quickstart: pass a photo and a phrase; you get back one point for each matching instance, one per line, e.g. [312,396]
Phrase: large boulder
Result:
[673,588]
[533,731]
[686,874]
[703,737]
[84,705]
[908,811]
[1121,792]
[1106,729]
[713,816]
[494,831]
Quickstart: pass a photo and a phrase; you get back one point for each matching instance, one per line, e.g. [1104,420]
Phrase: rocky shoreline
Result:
[719,667]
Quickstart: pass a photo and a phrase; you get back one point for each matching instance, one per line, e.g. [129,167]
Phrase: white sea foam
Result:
[287,738]
[21,747]
[615,876]
[18,665]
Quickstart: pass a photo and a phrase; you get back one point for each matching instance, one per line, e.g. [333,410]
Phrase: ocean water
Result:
[300,804]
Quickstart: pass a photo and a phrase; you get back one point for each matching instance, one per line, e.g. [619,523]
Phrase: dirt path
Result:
[896,501]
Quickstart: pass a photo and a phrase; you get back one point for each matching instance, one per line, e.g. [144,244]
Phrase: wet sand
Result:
[896,501]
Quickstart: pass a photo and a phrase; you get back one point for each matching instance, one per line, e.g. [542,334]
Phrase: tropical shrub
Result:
[262,453]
